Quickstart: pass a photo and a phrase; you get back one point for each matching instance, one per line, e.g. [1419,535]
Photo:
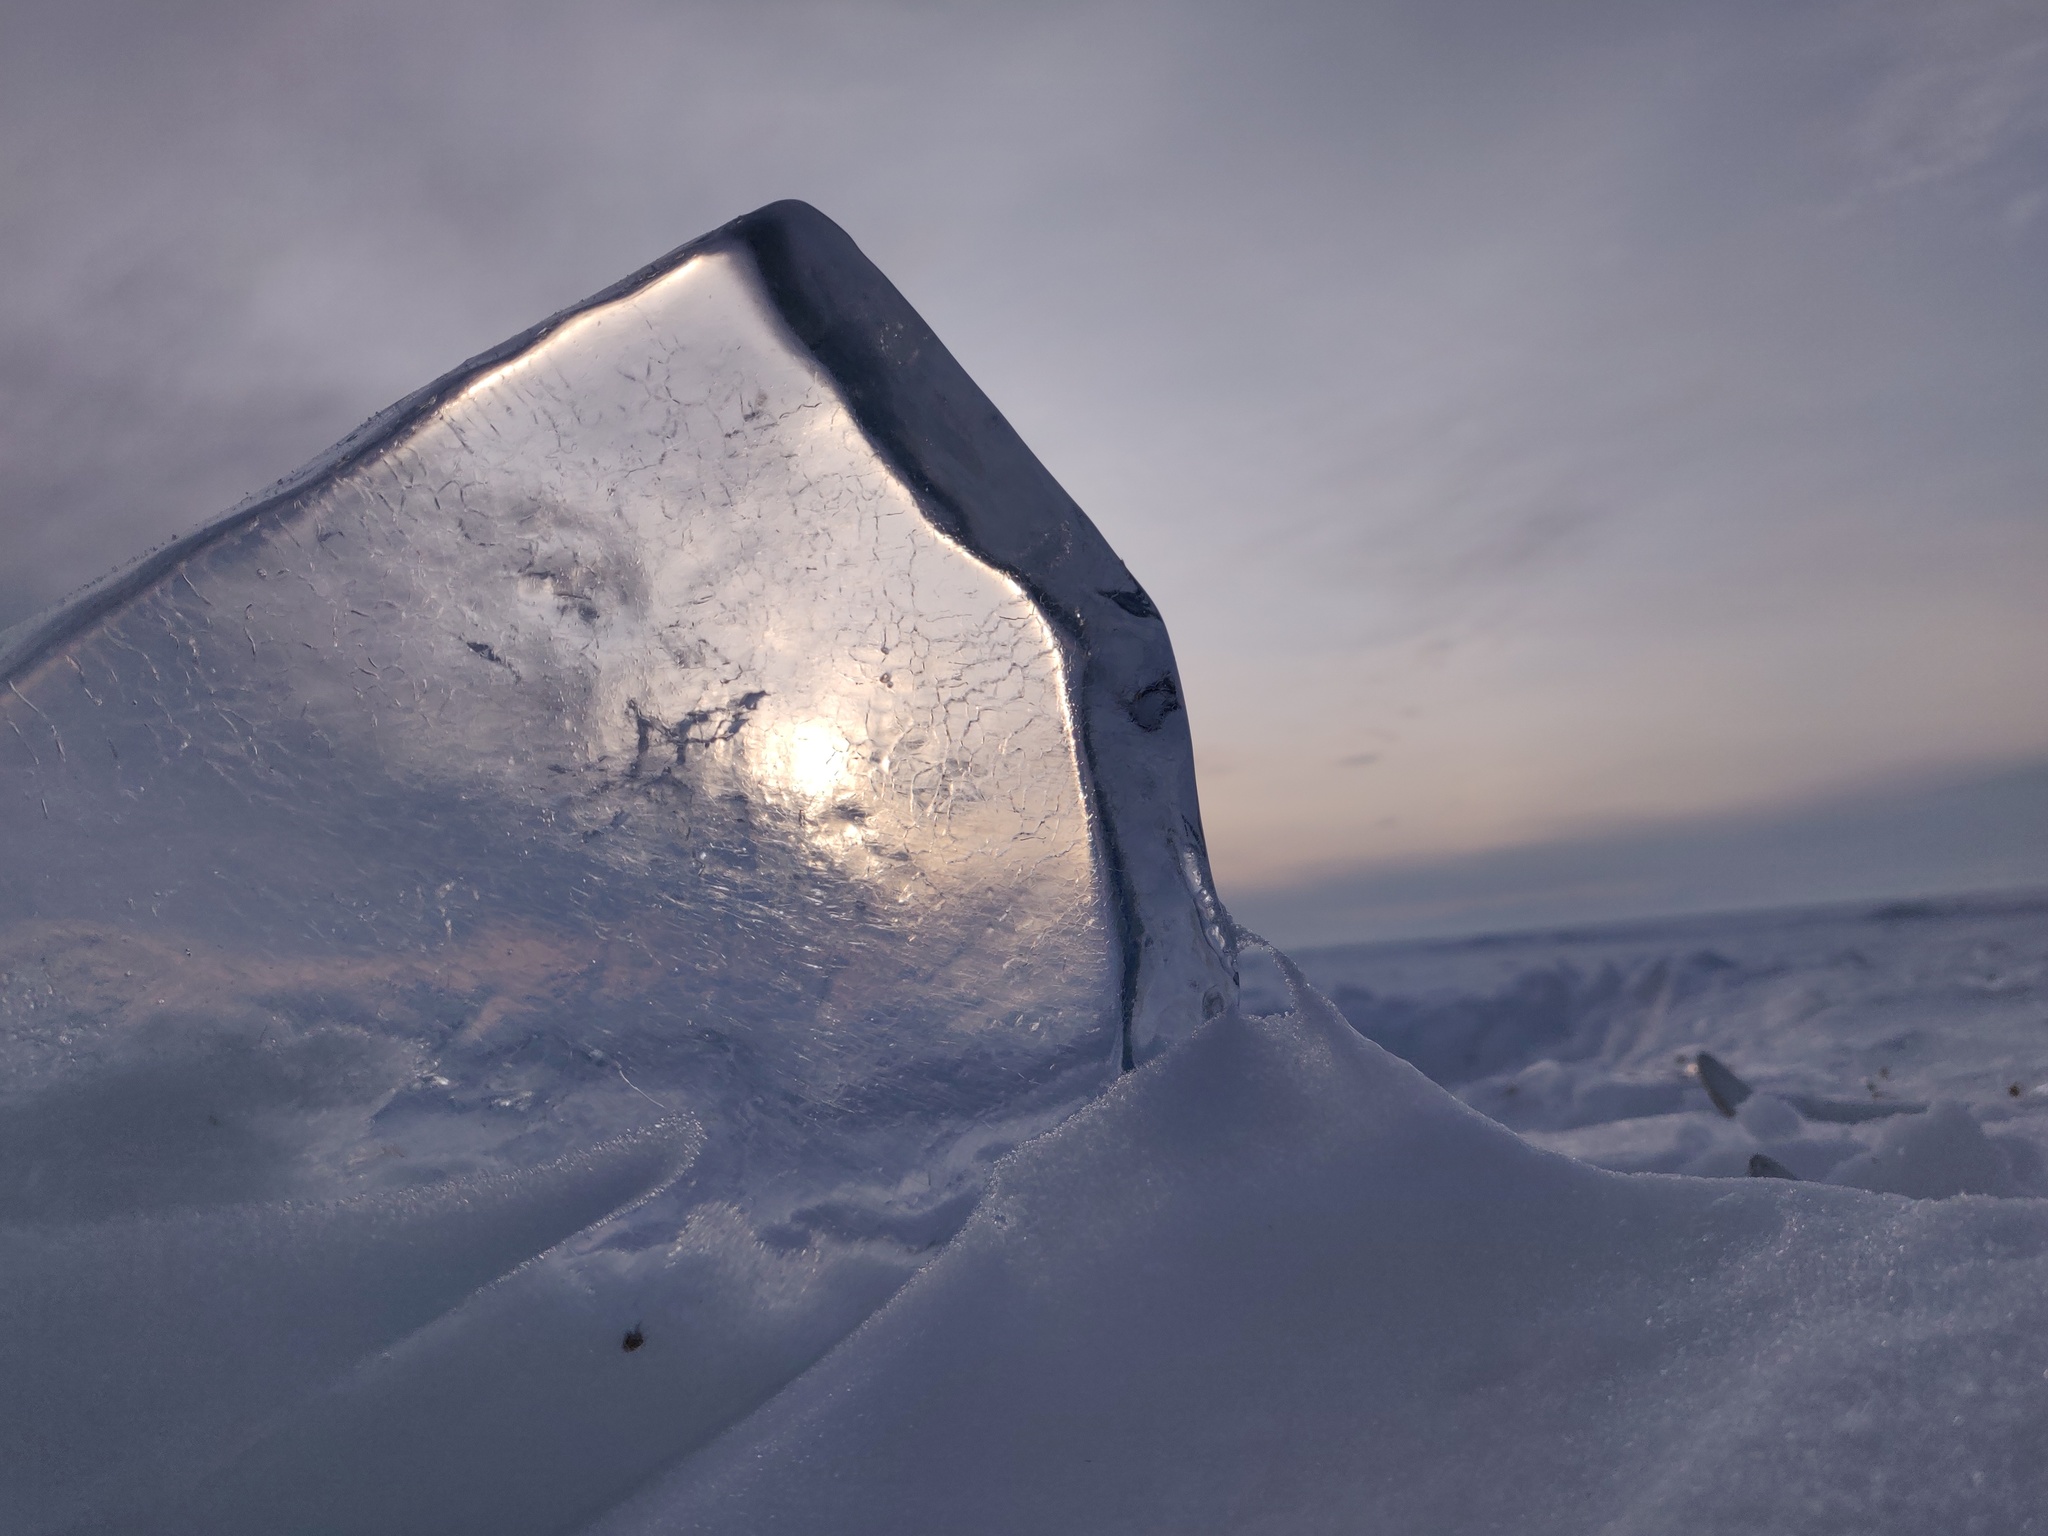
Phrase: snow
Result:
[631,951]
[1279,1282]
[1274,1281]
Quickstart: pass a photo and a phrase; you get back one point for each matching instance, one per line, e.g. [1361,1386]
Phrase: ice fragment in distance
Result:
[1723,1087]
[699,723]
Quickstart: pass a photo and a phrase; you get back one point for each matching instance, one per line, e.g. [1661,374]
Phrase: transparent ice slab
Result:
[679,794]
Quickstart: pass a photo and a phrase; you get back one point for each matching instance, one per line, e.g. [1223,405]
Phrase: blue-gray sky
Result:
[1560,436]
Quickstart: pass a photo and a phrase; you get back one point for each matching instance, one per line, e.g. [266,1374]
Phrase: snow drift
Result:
[1279,1282]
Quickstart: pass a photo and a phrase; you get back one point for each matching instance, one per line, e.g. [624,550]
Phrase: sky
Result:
[1592,458]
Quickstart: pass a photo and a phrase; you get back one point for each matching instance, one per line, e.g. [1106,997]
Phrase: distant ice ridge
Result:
[1901,1047]
[612,851]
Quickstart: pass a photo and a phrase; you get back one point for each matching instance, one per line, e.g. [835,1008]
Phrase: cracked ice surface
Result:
[602,859]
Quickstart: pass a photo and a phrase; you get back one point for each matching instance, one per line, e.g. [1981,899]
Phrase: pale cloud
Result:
[1952,89]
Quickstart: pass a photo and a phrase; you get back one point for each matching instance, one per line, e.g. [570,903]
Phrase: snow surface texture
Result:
[569,969]
[1281,1283]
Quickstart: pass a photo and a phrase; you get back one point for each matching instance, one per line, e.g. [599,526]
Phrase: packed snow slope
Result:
[1278,1282]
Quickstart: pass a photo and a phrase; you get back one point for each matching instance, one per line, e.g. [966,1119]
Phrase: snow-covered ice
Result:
[631,951]
[1280,1283]
[1899,1046]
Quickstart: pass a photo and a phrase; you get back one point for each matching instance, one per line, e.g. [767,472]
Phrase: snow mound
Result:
[1279,1282]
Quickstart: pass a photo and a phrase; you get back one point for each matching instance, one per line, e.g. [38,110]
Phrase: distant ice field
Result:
[1899,1047]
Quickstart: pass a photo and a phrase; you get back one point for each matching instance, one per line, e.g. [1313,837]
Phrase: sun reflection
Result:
[812,760]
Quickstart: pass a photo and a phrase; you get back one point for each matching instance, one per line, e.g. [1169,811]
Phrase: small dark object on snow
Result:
[2014,1090]
[635,1338]
[1723,1086]
[1762,1167]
